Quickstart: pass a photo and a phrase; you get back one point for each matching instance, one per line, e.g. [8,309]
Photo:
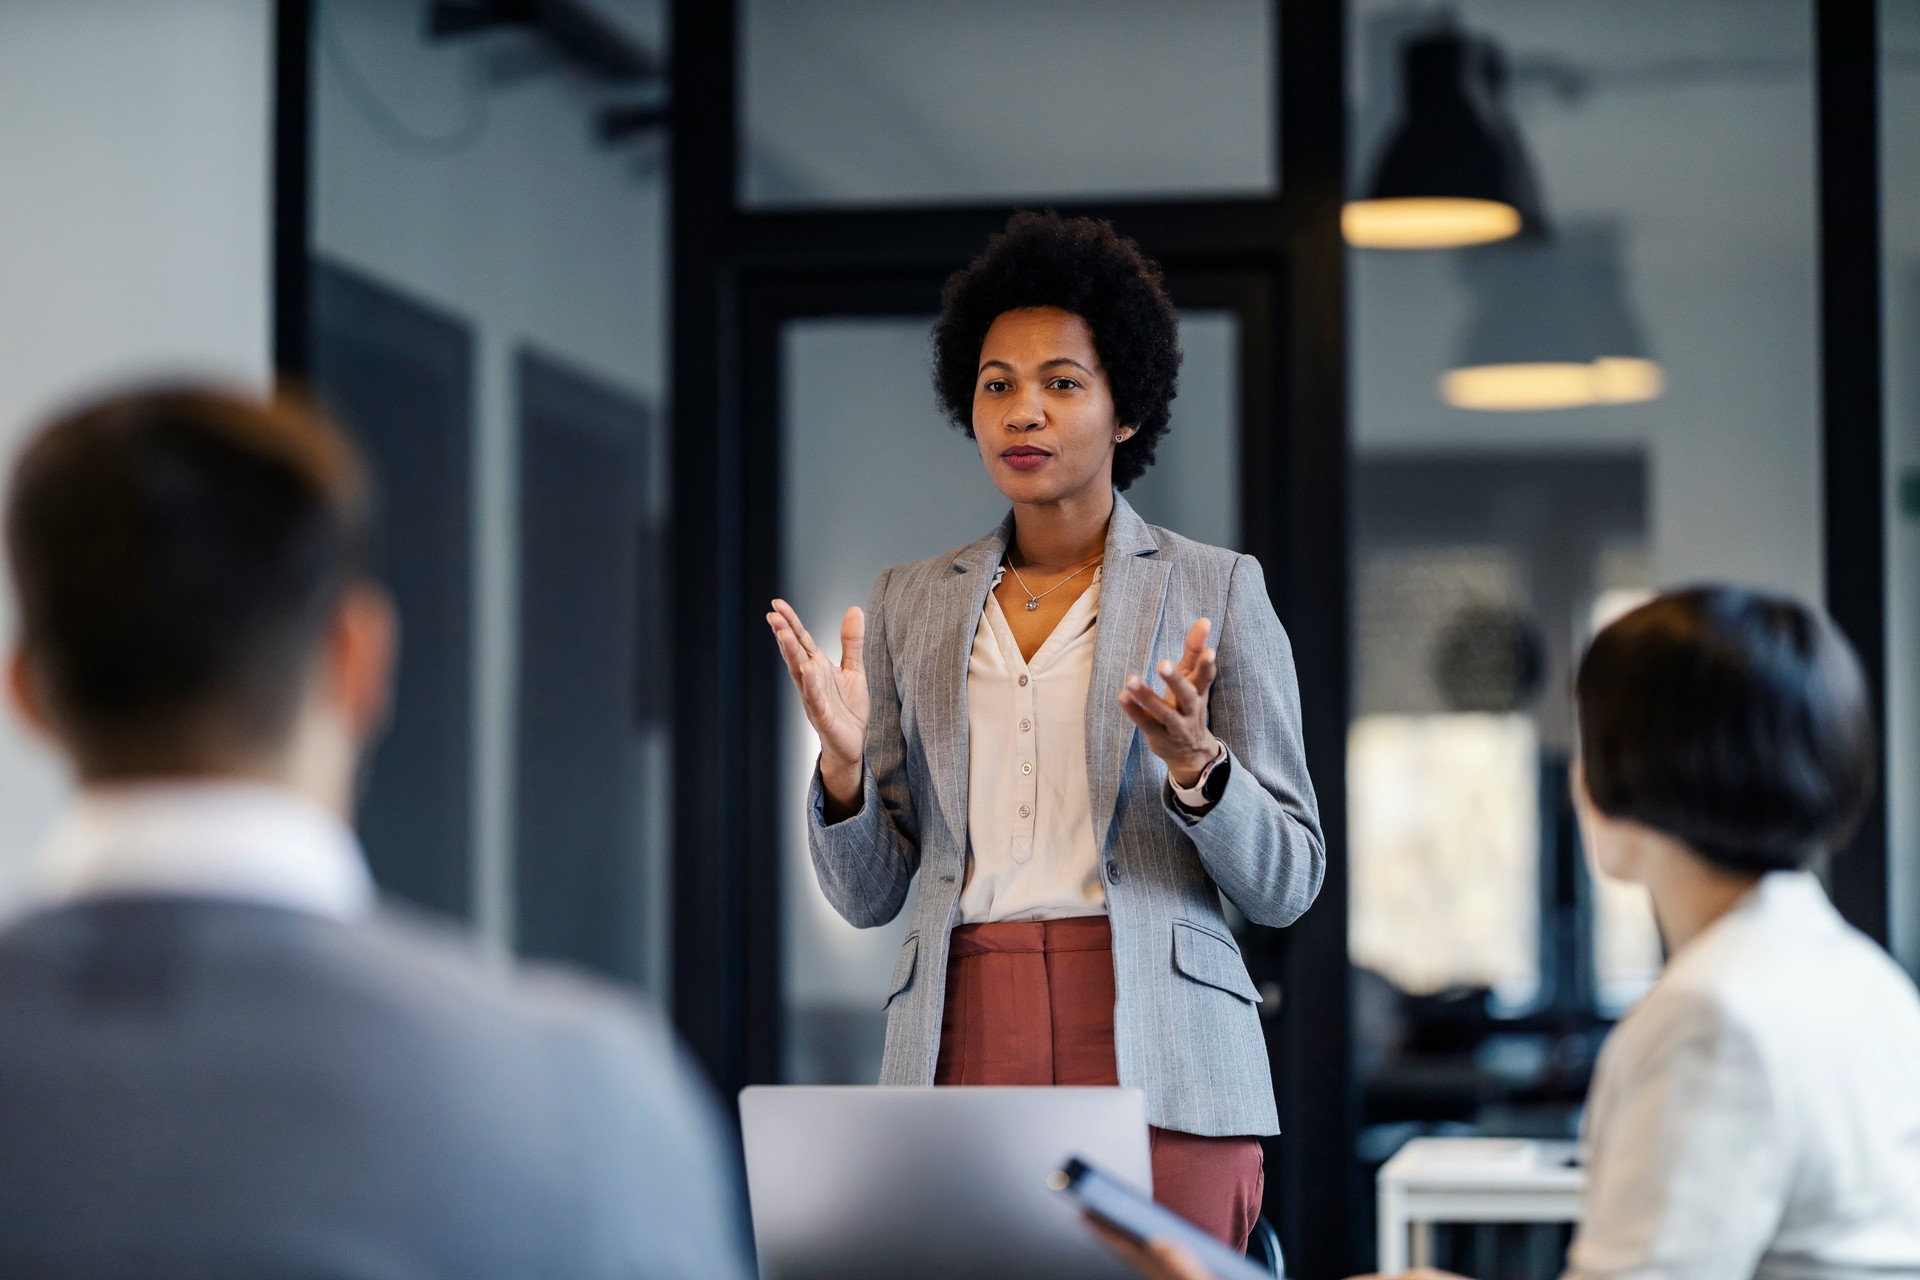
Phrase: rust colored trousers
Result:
[1031,1003]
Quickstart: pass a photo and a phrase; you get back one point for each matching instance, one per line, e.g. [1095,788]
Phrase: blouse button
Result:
[1026,811]
[1023,682]
[1025,725]
[1026,766]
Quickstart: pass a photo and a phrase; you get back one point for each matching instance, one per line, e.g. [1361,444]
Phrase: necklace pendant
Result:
[1032,606]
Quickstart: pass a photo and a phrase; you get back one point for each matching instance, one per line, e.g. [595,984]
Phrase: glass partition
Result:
[1496,528]
[879,102]
[490,285]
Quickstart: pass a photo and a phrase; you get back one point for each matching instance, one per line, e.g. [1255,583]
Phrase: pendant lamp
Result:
[1452,171]
[1551,327]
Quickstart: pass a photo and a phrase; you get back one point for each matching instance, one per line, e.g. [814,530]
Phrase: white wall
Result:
[135,204]
[519,222]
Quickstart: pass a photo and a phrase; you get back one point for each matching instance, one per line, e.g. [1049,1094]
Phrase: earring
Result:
[1120,438]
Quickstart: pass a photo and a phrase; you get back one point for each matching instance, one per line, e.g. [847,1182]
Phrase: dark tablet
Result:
[1138,1218]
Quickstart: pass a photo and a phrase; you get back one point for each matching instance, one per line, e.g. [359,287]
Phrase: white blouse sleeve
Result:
[1687,1151]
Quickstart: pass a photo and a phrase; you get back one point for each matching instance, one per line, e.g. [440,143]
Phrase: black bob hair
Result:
[1084,266]
[1732,720]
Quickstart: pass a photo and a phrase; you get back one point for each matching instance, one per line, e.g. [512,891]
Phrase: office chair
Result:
[1263,1247]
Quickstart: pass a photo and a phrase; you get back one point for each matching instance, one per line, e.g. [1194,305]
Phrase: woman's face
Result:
[1611,848]
[1042,411]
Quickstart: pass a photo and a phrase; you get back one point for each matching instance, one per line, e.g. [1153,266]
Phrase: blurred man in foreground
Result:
[218,1056]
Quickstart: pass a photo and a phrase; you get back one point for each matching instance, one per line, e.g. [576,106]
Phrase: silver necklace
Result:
[1033,601]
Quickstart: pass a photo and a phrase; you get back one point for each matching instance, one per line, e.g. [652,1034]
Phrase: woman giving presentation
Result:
[1079,731]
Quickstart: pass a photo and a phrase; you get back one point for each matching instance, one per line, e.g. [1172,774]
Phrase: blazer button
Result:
[1113,873]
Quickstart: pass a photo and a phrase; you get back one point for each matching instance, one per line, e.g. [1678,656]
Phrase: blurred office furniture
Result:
[1488,961]
[1263,1247]
[1435,1180]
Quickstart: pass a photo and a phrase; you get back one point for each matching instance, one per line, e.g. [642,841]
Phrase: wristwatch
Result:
[1206,790]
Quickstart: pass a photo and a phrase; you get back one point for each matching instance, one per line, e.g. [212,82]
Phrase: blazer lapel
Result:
[1133,592]
[957,602]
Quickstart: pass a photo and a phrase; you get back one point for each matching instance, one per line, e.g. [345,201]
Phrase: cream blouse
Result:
[1029,813]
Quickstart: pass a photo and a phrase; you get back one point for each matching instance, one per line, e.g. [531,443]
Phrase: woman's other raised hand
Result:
[834,696]
[1175,723]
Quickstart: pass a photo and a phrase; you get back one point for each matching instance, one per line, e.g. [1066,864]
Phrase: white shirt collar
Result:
[1797,893]
[248,842]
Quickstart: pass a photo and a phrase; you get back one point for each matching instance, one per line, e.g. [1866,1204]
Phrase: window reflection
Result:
[1674,159]
[1444,850]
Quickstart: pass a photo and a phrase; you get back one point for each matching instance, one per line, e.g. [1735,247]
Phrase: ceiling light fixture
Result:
[1551,328]
[1452,171]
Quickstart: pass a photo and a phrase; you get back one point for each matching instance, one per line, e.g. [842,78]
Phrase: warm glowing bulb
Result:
[1518,386]
[1623,380]
[1568,385]
[1426,222]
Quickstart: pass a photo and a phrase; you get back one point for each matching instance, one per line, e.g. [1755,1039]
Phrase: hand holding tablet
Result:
[1160,1244]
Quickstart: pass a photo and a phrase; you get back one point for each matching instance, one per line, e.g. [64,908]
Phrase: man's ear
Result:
[361,649]
[23,690]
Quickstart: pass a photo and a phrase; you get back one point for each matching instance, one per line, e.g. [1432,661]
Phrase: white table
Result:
[1471,1180]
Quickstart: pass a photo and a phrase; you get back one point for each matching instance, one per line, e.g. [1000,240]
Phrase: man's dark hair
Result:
[1083,266]
[178,554]
[1734,721]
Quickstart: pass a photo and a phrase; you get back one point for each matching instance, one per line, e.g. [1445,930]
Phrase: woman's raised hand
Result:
[835,696]
[1175,723]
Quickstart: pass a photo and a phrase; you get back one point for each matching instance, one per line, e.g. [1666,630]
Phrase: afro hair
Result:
[1083,266]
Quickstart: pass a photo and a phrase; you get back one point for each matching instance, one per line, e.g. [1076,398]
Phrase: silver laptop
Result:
[885,1183]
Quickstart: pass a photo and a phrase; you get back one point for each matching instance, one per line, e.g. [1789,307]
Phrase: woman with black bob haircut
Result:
[1758,1113]
[994,727]
[1734,722]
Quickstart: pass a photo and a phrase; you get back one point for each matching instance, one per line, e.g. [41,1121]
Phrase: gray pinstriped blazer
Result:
[1186,1028]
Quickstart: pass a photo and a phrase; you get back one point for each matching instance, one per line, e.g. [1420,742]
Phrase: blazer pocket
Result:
[1207,958]
[903,968]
